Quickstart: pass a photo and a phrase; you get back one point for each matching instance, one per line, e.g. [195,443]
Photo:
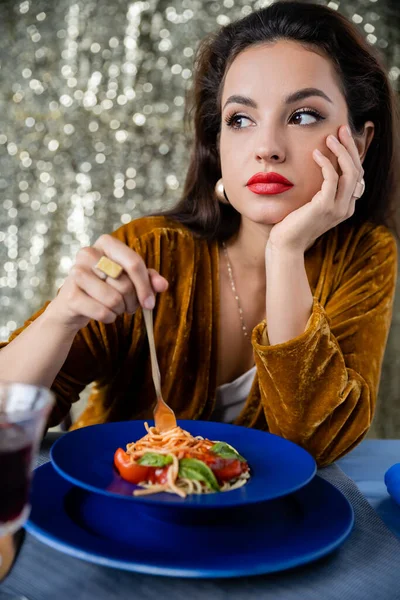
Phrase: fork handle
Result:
[155,371]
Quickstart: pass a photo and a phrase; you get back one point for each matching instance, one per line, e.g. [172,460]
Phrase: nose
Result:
[270,148]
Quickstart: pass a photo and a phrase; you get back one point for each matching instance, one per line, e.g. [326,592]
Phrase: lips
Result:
[268,178]
[268,183]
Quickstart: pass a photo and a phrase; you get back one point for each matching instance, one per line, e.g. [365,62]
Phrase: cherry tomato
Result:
[158,475]
[130,471]
[224,469]
[229,469]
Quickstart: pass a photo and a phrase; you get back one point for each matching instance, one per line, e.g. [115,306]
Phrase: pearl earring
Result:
[220,192]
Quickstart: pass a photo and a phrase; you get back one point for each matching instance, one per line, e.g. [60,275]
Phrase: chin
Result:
[270,217]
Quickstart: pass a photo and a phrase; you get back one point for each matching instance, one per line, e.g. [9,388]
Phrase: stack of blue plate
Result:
[285,515]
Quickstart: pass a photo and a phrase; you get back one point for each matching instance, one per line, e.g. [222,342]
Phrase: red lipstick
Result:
[268,183]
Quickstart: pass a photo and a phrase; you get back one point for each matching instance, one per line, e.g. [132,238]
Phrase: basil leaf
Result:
[191,468]
[224,450]
[152,459]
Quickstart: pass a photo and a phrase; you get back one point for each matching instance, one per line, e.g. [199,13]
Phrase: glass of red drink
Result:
[24,410]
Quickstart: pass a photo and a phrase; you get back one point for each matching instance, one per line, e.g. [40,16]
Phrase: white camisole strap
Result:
[231,397]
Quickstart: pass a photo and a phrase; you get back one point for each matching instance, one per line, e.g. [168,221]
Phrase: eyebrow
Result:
[290,99]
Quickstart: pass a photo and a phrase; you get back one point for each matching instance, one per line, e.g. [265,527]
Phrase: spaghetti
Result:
[176,462]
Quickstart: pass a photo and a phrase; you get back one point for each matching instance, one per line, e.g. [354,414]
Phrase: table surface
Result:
[366,465]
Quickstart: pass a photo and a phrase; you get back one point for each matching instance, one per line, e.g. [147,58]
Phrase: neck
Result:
[247,248]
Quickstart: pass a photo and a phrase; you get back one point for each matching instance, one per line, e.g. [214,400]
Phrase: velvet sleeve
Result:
[319,389]
[93,356]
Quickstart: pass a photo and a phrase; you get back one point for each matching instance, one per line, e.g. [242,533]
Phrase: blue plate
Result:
[278,467]
[265,538]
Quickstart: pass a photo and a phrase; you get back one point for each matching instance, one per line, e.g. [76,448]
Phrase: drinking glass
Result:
[24,410]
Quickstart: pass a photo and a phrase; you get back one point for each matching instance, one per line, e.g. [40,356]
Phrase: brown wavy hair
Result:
[365,86]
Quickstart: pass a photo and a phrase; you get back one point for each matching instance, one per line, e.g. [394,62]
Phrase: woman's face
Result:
[265,131]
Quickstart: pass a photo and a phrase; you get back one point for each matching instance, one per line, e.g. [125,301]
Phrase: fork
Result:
[164,416]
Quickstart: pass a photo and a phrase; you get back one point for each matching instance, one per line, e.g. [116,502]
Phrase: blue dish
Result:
[272,536]
[278,467]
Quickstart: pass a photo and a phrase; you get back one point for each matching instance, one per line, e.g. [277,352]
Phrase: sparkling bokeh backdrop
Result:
[91,129]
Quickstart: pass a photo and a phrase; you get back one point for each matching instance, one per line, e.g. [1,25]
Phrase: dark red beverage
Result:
[15,471]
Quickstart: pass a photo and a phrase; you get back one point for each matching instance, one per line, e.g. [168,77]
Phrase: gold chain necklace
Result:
[232,281]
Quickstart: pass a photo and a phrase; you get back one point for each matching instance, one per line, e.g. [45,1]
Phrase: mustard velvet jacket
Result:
[318,389]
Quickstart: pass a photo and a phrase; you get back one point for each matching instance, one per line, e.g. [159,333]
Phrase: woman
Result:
[272,281]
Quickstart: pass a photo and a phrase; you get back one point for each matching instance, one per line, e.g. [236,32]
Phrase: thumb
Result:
[158,283]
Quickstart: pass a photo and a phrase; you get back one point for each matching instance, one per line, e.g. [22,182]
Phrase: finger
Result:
[97,289]
[132,264]
[88,257]
[348,141]
[349,176]
[88,307]
[158,282]
[352,207]
[328,190]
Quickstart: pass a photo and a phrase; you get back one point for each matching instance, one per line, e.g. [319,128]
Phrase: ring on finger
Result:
[359,189]
[108,268]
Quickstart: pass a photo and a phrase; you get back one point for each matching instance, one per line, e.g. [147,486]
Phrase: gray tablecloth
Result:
[366,567]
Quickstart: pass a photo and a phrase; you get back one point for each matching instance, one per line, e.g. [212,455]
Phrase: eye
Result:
[237,121]
[306,116]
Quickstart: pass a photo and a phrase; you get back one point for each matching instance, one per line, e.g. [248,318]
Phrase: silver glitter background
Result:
[91,130]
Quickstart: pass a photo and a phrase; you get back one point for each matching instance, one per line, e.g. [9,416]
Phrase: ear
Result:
[363,140]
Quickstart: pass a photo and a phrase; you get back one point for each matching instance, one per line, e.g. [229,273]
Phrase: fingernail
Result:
[150,302]
[348,130]
[317,153]
[333,139]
